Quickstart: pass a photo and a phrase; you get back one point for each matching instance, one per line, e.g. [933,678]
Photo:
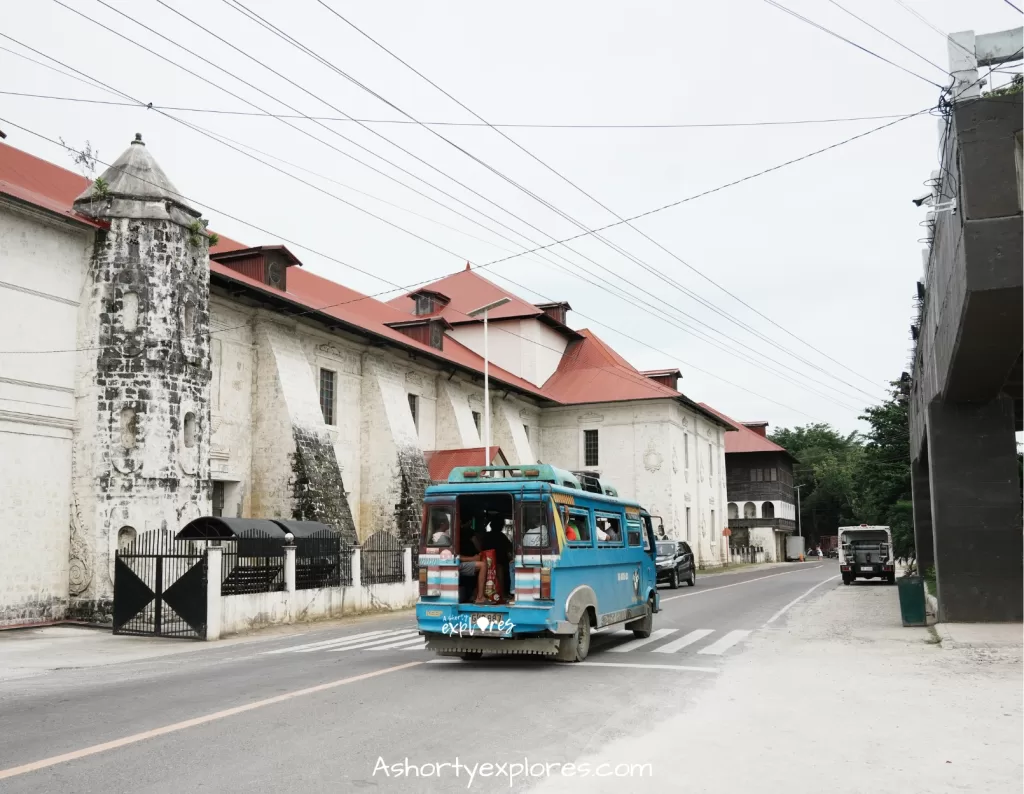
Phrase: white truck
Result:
[865,552]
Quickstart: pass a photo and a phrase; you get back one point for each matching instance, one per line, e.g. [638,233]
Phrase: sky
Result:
[785,298]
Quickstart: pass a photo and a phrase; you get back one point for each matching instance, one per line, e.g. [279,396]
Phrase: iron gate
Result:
[160,587]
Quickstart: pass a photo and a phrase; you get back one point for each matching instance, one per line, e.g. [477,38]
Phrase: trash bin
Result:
[912,602]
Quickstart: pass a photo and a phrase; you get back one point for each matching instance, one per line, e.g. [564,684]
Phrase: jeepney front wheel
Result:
[642,628]
[576,647]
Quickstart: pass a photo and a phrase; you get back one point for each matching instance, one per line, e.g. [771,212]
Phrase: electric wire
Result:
[148,28]
[595,200]
[638,377]
[822,28]
[893,40]
[255,114]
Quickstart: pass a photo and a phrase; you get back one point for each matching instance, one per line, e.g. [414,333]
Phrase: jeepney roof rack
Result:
[539,472]
[592,483]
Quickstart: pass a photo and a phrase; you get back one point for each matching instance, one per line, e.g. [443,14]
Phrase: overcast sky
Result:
[826,248]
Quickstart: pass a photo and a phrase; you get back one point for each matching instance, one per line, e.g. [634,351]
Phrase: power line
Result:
[603,206]
[254,158]
[822,28]
[255,114]
[894,41]
[777,374]
[924,20]
[297,44]
[637,378]
[586,277]
[1011,5]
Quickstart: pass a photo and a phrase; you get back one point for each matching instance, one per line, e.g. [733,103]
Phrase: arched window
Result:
[750,510]
[767,510]
[130,311]
[734,511]
[190,429]
[125,537]
[129,428]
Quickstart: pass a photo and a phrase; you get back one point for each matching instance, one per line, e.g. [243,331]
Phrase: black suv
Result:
[675,563]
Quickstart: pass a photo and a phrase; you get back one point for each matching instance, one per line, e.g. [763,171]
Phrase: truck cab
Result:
[865,552]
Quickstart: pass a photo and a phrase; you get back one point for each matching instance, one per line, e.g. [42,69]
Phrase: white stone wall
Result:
[642,454]
[526,348]
[42,269]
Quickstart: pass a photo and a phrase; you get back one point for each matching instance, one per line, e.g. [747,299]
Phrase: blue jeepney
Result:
[579,558]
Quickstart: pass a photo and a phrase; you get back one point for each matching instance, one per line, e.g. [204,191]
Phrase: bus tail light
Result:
[423,581]
[545,584]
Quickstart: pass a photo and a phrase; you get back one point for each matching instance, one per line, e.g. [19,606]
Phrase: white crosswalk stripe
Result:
[682,642]
[724,644]
[315,646]
[405,642]
[656,635]
[377,642]
[661,641]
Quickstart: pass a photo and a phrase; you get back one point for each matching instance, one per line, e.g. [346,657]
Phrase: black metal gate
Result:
[160,587]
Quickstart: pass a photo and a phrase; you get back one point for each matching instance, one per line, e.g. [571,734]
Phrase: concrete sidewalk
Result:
[839,697]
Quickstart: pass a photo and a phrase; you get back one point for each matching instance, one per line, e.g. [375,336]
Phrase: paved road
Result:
[319,711]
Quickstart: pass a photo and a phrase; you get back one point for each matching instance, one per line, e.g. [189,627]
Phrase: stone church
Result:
[151,373]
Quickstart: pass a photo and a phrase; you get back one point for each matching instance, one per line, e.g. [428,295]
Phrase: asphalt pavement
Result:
[329,708]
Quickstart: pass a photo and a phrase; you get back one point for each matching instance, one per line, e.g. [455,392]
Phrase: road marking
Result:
[374,643]
[724,644]
[326,643]
[683,641]
[633,644]
[406,643]
[785,609]
[422,646]
[683,668]
[445,661]
[195,721]
[737,584]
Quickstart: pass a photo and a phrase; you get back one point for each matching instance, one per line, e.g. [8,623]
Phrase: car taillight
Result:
[423,581]
[545,583]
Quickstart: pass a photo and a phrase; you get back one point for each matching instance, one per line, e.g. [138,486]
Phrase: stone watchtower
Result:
[142,438]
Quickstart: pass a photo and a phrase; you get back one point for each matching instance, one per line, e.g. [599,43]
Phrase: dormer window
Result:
[429,302]
[267,264]
[429,332]
[666,377]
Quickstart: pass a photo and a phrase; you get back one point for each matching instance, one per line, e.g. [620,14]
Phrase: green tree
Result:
[826,471]
[883,476]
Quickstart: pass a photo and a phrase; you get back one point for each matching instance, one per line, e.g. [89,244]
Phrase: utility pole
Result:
[799,525]
[483,310]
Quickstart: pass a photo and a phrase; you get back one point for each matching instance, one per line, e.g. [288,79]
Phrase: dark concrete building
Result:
[965,393]
[759,484]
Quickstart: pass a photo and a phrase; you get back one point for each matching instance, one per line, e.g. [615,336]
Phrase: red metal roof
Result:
[745,439]
[591,372]
[37,182]
[466,291]
[440,462]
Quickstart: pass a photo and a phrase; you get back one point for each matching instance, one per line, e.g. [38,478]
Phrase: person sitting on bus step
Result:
[471,561]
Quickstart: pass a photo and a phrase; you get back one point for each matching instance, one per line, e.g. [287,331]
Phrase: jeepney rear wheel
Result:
[576,647]
[642,629]
[471,656]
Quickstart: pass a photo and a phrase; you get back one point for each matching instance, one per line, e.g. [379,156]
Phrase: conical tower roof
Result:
[135,186]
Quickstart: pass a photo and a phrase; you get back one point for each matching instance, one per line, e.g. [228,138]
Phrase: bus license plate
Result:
[867,568]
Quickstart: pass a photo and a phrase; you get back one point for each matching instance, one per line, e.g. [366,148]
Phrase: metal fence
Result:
[160,587]
[322,561]
[254,563]
[382,559]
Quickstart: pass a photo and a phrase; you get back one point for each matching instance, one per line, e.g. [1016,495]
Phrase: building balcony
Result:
[781,524]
